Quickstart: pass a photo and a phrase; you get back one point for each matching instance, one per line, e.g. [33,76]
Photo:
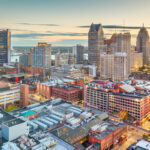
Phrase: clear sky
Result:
[64,22]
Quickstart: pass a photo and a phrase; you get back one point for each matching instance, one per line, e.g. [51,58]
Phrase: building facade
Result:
[9,95]
[114,98]
[124,45]
[24,95]
[107,66]
[95,41]
[142,44]
[78,52]
[71,93]
[136,60]
[5,45]
[41,56]
[114,66]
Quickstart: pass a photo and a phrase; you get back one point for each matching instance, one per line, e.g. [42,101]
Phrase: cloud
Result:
[115,27]
[34,35]
[38,24]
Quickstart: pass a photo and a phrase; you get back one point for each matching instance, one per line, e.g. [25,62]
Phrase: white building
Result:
[114,66]
[107,65]
[9,129]
[92,70]
[9,95]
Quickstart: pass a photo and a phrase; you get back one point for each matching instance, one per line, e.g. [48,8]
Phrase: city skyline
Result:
[66,23]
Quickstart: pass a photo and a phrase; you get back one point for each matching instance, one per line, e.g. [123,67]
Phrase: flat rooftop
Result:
[5,116]
[129,90]
[13,75]
[71,135]
[68,87]
[14,122]
[104,129]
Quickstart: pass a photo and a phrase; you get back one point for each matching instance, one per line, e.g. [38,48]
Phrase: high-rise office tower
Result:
[142,44]
[5,41]
[95,41]
[124,45]
[114,66]
[41,56]
[120,67]
[78,52]
[107,65]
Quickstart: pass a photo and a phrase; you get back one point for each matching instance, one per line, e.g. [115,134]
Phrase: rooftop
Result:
[68,87]
[4,116]
[14,122]
[13,75]
[126,88]
[103,130]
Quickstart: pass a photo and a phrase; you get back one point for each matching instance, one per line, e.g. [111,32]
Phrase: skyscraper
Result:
[107,65]
[95,41]
[121,67]
[114,66]
[124,45]
[78,52]
[41,56]
[4,46]
[142,44]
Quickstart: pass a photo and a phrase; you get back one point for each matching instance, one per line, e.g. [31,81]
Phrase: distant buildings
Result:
[66,71]
[41,56]
[143,44]
[78,52]
[5,41]
[71,59]
[95,43]
[38,61]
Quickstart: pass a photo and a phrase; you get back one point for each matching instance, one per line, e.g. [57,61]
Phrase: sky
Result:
[66,22]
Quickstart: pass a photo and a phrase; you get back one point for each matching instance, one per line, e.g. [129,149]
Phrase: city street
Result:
[146,125]
[133,135]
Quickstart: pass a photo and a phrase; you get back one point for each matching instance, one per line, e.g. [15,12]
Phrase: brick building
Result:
[24,95]
[107,134]
[68,92]
[115,97]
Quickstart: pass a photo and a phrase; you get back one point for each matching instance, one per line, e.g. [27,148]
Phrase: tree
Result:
[145,137]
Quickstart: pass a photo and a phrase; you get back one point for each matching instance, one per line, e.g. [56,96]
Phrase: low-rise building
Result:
[119,97]
[68,92]
[107,134]
[9,94]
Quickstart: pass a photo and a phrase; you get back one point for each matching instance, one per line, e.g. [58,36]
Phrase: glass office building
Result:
[4,46]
